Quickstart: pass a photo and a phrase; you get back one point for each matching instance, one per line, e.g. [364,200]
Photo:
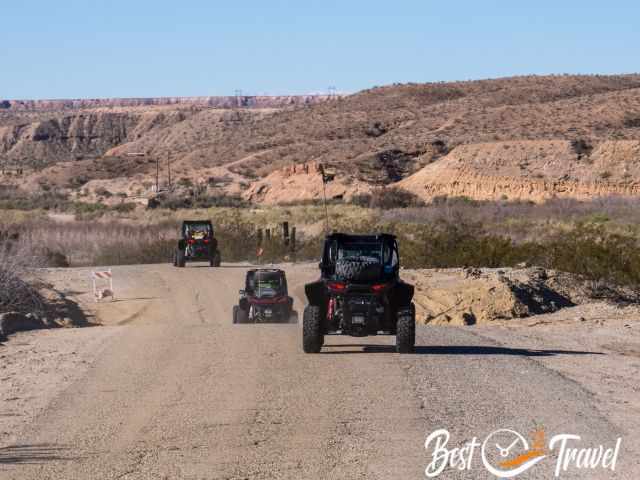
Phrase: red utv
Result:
[265,298]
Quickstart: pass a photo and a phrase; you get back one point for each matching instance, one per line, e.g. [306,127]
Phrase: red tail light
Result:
[378,288]
[191,241]
[206,240]
[337,286]
[282,300]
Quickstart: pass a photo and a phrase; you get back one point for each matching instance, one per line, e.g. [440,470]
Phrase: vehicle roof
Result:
[266,270]
[371,238]
[196,221]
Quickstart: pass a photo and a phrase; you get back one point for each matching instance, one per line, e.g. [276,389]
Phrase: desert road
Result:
[179,392]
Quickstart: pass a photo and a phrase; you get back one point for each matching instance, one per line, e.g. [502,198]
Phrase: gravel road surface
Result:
[178,392]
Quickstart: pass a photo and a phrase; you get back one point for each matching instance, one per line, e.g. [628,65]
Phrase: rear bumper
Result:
[361,315]
[268,312]
[199,252]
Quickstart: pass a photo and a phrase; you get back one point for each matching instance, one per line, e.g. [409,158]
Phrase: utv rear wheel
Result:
[180,260]
[406,330]
[312,336]
[214,261]
[240,315]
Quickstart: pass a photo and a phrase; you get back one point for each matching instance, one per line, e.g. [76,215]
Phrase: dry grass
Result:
[597,240]
[523,221]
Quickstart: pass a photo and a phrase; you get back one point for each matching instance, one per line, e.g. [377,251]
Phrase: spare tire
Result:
[359,269]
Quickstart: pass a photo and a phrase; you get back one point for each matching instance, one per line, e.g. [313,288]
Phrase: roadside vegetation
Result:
[597,240]
[19,286]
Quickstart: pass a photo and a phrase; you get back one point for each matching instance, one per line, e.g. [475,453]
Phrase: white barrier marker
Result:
[106,290]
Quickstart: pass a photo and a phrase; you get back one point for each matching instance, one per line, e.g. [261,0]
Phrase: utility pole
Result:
[169,171]
[157,174]
[326,209]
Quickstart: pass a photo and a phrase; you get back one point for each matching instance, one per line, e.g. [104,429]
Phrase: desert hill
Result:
[520,138]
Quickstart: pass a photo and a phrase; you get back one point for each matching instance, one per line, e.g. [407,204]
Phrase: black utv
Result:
[359,293]
[197,243]
[265,298]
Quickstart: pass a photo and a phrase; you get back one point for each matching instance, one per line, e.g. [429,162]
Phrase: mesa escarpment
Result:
[528,138]
[251,101]
[37,133]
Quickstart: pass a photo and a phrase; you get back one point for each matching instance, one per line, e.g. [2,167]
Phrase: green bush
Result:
[589,251]
[125,207]
[387,198]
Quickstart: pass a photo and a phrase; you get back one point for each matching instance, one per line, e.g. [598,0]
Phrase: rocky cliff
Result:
[531,170]
[250,101]
[528,138]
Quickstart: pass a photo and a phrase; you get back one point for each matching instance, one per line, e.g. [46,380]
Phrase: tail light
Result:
[337,287]
[378,287]
[191,241]
[282,300]
[206,240]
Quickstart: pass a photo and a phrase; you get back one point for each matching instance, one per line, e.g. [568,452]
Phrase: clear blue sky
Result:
[99,48]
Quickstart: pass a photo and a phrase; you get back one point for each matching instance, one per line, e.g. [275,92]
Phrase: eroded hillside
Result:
[516,138]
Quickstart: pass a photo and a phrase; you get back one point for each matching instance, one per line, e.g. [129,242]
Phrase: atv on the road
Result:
[265,298]
[197,243]
[359,293]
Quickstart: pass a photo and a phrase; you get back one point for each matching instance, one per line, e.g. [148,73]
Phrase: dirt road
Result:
[177,391]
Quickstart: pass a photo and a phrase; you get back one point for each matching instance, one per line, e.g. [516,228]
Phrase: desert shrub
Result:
[632,121]
[394,197]
[103,192]
[387,198]
[581,147]
[595,254]
[461,244]
[221,200]
[125,207]
[78,181]
[376,129]
[12,198]
[362,200]
[81,208]
[589,251]
[54,258]
[176,202]
[18,285]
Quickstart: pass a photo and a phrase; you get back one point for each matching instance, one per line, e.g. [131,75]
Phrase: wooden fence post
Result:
[292,244]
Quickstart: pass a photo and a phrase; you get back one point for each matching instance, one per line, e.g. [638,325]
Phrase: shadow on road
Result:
[455,350]
[33,454]
[136,299]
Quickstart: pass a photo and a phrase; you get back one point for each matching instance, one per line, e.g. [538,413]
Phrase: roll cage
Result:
[383,247]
